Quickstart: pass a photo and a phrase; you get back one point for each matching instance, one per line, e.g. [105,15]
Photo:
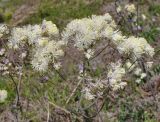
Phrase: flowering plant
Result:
[41,48]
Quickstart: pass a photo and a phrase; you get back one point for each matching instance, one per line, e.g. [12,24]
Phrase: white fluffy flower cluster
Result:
[140,75]
[49,28]
[87,31]
[4,63]
[3,30]
[115,75]
[2,51]
[87,94]
[43,40]
[130,8]
[31,34]
[137,46]
[3,95]
[89,53]
[94,88]
[46,54]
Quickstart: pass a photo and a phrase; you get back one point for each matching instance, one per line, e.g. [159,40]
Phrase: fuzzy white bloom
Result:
[143,75]
[9,64]
[3,30]
[57,66]
[18,37]
[87,30]
[137,46]
[137,71]
[31,34]
[143,17]
[119,9]
[23,55]
[99,84]
[138,81]
[49,28]
[40,63]
[2,51]
[43,41]
[21,35]
[108,32]
[3,95]
[129,65]
[118,38]
[130,8]
[87,94]
[46,54]
[89,53]
[115,75]
[34,32]
[41,38]
[149,64]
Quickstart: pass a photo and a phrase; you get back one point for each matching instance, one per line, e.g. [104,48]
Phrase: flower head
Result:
[49,28]
[130,8]
[3,95]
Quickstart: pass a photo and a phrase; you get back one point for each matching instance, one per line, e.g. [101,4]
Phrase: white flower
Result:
[122,84]
[108,32]
[18,37]
[40,63]
[88,95]
[42,41]
[3,30]
[115,75]
[9,64]
[149,50]
[149,64]
[3,95]
[117,37]
[46,54]
[136,46]
[89,53]
[119,9]
[138,81]
[143,75]
[87,31]
[2,51]
[57,66]
[5,73]
[137,71]
[33,33]
[49,28]
[130,66]
[23,55]
[130,8]
[143,17]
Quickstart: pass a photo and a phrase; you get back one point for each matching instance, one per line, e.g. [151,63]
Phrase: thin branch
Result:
[63,109]
[100,117]
[98,53]
[48,114]
[16,88]
[137,18]
[62,77]
[73,92]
